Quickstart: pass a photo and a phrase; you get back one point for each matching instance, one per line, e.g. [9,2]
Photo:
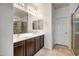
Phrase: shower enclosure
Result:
[75,31]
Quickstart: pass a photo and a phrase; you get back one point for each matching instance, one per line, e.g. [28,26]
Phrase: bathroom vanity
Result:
[27,39]
[28,46]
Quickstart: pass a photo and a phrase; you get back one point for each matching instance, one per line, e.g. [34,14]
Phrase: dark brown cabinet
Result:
[19,49]
[42,41]
[29,47]
[37,42]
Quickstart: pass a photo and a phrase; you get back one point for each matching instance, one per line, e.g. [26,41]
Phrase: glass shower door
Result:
[75,30]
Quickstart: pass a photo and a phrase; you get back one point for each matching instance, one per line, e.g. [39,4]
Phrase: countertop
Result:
[25,36]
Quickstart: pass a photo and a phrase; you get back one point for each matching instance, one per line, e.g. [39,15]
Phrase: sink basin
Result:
[26,35]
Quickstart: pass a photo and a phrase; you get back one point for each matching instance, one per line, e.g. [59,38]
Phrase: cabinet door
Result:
[29,47]
[19,49]
[37,43]
[42,41]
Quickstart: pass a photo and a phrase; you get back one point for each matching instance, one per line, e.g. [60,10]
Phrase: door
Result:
[38,43]
[60,34]
[19,48]
[75,32]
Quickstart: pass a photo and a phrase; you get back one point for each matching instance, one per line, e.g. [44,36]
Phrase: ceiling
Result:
[60,5]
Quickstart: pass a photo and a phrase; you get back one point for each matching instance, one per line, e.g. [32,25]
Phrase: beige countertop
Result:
[25,36]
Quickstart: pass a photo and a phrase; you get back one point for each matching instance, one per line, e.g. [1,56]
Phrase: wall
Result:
[73,7]
[6,29]
[48,25]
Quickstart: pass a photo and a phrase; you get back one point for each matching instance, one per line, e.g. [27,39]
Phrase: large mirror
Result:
[37,25]
[20,26]
[26,18]
[20,19]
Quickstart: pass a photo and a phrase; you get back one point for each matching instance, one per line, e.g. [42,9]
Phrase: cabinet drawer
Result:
[18,43]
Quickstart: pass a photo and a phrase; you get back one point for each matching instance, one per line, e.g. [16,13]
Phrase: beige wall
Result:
[6,29]
[48,25]
[73,7]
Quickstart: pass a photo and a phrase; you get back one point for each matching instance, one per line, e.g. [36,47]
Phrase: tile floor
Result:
[59,50]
